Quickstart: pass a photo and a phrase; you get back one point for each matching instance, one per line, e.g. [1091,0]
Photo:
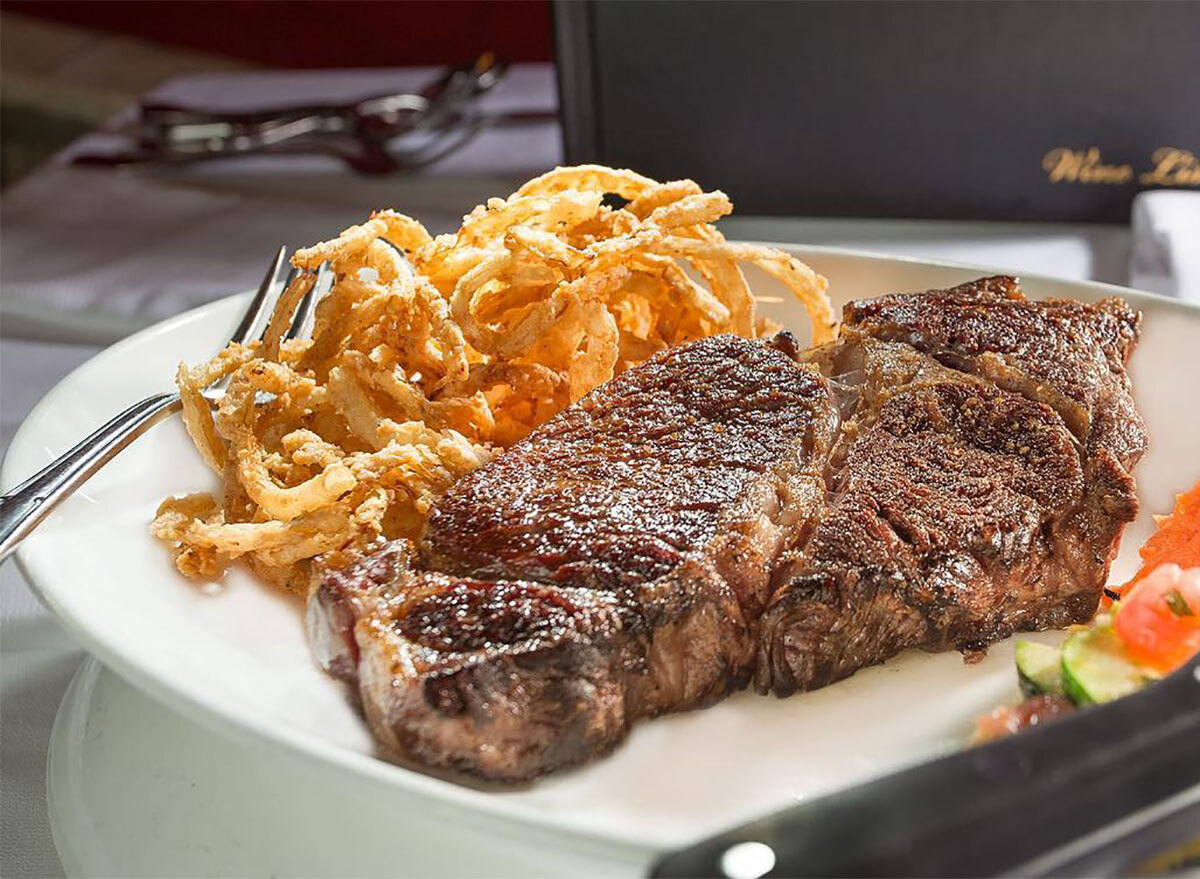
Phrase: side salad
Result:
[1148,627]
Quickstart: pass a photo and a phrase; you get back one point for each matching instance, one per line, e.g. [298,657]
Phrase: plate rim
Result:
[250,729]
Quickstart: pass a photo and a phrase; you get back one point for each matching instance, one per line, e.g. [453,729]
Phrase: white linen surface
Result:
[91,255]
[1166,243]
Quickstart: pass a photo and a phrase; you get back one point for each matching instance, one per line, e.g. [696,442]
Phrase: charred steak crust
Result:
[620,489]
[980,487]
[939,531]
[610,566]
[1070,355]
[954,468]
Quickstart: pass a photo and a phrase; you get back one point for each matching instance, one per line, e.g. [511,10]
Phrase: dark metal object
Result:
[578,98]
[1089,794]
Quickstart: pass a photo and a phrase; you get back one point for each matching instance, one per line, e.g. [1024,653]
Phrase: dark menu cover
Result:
[958,109]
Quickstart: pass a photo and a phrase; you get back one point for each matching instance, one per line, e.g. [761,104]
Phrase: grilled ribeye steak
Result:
[608,567]
[979,487]
[734,509]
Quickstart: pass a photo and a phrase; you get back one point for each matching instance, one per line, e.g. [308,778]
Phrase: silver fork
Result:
[23,508]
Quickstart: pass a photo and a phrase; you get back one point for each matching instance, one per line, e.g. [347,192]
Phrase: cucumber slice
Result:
[1095,668]
[1039,669]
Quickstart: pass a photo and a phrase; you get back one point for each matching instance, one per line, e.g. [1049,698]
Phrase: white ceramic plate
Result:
[236,659]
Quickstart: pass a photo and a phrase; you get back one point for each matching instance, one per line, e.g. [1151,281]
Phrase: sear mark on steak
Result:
[621,489]
[941,530]
[980,485]
[1070,355]
[610,566]
[954,468]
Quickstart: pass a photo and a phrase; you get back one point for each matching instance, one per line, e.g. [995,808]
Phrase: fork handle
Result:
[23,508]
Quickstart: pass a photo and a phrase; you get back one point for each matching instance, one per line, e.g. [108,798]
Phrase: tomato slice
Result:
[1177,539]
[1159,617]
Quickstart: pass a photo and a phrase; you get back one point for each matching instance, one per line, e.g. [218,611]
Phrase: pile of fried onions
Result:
[430,354]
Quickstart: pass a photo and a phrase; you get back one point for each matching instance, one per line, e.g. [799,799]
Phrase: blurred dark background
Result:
[1018,110]
[319,33]
[962,109]
[67,66]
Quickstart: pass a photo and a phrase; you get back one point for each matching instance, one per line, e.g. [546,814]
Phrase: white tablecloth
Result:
[91,255]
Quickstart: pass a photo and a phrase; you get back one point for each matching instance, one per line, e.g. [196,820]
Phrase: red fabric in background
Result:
[322,33]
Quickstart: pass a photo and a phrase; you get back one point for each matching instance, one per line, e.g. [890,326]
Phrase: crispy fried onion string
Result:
[429,354]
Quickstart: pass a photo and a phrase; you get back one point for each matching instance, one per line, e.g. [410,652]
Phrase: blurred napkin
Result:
[1166,244]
